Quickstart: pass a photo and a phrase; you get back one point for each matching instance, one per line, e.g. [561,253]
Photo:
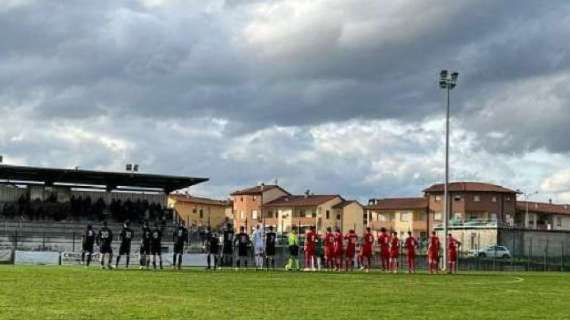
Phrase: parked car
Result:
[493,252]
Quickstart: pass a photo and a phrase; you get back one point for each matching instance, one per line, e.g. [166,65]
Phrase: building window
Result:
[508,198]
[437,198]
[457,198]
[254,214]
[559,221]
[201,213]
[253,198]
[437,216]
[338,216]
[404,217]
[328,214]
[242,215]
[194,210]
[241,199]
[314,214]
[476,198]
[494,199]
[270,213]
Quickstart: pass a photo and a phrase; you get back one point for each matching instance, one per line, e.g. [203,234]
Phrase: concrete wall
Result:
[352,218]
[535,243]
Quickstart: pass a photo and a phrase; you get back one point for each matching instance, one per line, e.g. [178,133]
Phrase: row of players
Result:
[340,250]
[329,247]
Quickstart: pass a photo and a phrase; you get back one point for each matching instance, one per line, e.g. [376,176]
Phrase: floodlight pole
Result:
[446,185]
[447,81]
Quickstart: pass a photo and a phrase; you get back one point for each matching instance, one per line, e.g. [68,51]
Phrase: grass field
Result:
[78,293]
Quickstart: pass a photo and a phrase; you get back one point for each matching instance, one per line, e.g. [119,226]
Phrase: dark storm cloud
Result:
[118,57]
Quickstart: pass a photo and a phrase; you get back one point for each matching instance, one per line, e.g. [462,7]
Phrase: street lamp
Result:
[447,81]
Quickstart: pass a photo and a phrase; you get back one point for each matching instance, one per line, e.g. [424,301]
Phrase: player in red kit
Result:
[310,241]
[433,253]
[384,243]
[367,242]
[338,249]
[452,245]
[351,240]
[411,245]
[329,249]
[394,252]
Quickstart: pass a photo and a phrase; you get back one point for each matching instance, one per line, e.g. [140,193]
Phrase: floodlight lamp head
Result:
[454,76]
[443,75]
[442,84]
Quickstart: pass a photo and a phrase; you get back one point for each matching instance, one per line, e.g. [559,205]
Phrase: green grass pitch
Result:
[78,293]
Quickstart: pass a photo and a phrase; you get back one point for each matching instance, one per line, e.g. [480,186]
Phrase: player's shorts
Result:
[310,251]
[155,250]
[88,247]
[366,252]
[228,248]
[259,250]
[294,251]
[338,252]
[270,251]
[178,248]
[242,251]
[145,249]
[329,252]
[394,254]
[125,249]
[350,252]
[452,256]
[106,249]
[411,254]
[433,257]
[385,253]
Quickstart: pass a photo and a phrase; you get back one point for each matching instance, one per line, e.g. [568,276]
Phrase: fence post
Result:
[513,254]
[495,258]
[43,241]
[478,254]
[529,255]
[545,255]
[562,257]
[73,242]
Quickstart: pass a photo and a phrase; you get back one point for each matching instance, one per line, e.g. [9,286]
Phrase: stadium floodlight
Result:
[136,168]
[1,159]
[447,82]
[129,167]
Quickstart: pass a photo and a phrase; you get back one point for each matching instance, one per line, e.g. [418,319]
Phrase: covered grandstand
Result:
[48,208]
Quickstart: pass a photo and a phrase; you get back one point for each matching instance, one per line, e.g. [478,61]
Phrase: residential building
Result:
[350,213]
[400,215]
[472,202]
[198,211]
[542,216]
[303,211]
[248,203]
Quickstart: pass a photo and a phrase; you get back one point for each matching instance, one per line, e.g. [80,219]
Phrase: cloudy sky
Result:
[336,96]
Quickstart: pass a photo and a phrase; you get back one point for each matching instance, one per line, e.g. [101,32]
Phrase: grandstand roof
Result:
[89,178]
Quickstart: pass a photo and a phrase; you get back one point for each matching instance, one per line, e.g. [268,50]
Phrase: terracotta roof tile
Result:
[469,187]
[541,207]
[399,204]
[301,201]
[256,190]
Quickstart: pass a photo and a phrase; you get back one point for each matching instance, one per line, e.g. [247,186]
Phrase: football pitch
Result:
[78,293]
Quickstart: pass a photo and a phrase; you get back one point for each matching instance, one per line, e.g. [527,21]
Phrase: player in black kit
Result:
[104,240]
[126,236]
[180,237]
[213,250]
[270,238]
[145,246]
[242,240]
[228,246]
[156,245]
[88,243]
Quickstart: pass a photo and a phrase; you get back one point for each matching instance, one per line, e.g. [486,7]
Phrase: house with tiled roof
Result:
[542,216]
[303,211]
[400,215]
[248,203]
[200,211]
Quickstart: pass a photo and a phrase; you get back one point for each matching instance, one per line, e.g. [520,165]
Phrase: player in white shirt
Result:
[259,245]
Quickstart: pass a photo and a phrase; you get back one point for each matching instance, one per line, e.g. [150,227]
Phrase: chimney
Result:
[307,193]
[550,201]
